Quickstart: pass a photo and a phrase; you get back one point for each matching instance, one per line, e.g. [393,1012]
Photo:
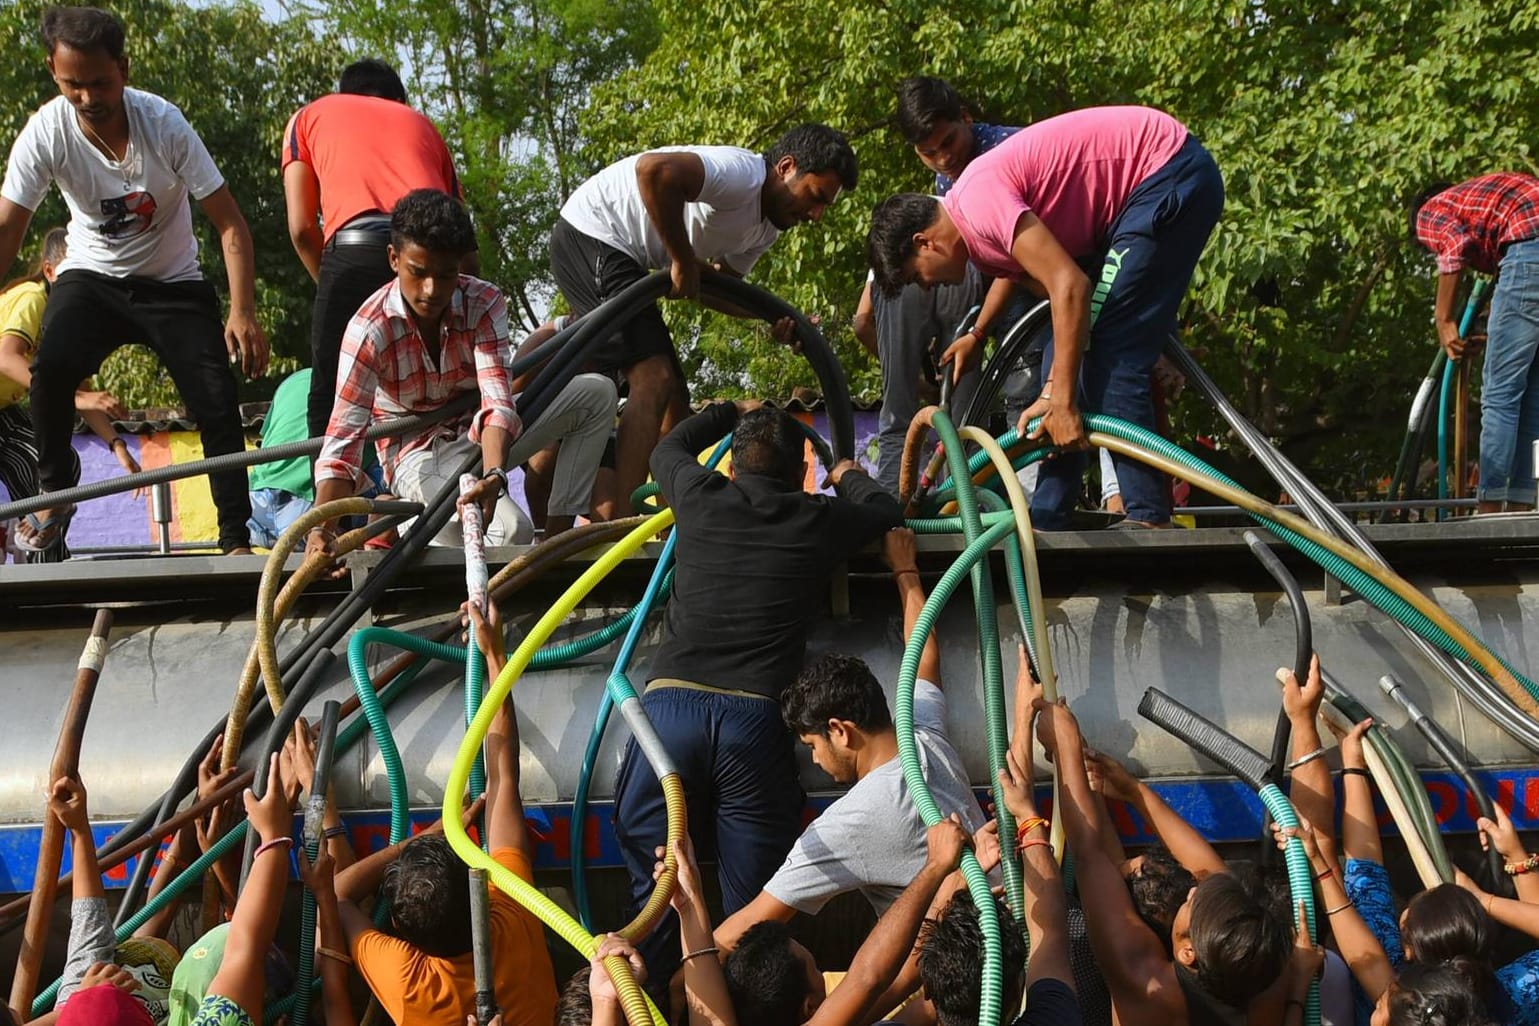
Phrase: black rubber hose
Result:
[1416,428]
[1443,745]
[1303,648]
[1206,737]
[607,318]
[1485,695]
[1011,348]
[282,726]
[1303,636]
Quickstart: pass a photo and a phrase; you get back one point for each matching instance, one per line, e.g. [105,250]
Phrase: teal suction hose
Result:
[988,650]
[657,586]
[1380,595]
[1450,369]
[992,989]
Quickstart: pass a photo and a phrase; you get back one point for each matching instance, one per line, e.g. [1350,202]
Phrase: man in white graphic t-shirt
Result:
[678,207]
[126,162]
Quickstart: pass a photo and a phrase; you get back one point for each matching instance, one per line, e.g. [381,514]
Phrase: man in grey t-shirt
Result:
[872,838]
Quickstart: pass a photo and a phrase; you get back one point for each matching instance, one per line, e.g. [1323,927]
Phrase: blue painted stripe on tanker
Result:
[1223,810]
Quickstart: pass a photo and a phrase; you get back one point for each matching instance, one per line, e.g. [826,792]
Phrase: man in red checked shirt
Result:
[1491,224]
[427,336]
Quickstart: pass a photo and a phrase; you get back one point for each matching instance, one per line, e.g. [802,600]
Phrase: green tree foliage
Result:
[237,77]
[1311,307]
[506,80]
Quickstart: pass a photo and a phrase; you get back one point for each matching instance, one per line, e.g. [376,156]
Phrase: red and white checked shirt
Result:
[1469,224]
[384,372]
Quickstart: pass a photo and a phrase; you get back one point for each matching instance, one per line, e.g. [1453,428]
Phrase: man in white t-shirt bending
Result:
[872,838]
[126,161]
[678,207]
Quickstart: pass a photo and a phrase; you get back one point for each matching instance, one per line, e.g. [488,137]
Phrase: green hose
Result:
[1370,588]
[1301,880]
[992,991]
[988,650]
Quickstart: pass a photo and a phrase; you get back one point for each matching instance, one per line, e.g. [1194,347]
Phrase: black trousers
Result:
[89,316]
[349,275]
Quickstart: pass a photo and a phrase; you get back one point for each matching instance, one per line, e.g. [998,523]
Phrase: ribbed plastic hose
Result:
[1034,616]
[657,586]
[996,722]
[1206,737]
[639,1010]
[346,738]
[1450,371]
[992,982]
[1374,581]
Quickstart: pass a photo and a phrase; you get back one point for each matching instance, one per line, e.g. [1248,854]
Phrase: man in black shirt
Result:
[754,551]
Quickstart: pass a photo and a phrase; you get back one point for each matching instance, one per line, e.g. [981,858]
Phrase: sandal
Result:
[46,534]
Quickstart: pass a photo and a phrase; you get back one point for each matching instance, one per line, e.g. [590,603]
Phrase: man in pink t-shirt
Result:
[1123,192]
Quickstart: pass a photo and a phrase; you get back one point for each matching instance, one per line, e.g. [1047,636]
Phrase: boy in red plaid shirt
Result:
[428,335]
[1491,224]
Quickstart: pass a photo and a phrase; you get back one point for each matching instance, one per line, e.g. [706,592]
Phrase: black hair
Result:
[1159,889]
[766,981]
[951,960]
[817,148]
[372,77]
[82,28]
[770,442]
[1416,202]
[835,687]
[1241,946]
[890,243]
[1444,923]
[924,102]
[55,244]
[575,1006]
[433,220]
[1438,994]
[429,895]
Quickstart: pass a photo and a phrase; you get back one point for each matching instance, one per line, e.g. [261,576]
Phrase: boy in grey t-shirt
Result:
[872,838]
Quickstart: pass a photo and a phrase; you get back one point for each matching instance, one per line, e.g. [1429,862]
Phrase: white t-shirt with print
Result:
[132,219]
[725,224]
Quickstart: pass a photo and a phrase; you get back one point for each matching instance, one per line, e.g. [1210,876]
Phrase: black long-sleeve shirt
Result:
[752,559]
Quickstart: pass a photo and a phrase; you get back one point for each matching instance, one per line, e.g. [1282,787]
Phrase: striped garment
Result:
[1470,224]
[385,371]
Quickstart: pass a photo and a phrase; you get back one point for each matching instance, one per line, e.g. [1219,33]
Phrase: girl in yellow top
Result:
[21,317]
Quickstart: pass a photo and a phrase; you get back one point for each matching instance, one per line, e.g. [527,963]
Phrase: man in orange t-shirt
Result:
[347,159]
[420,970]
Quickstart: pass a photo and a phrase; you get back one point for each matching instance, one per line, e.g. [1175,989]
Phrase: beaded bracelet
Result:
[1519,868]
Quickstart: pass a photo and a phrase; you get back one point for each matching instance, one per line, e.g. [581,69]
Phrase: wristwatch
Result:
[501,475]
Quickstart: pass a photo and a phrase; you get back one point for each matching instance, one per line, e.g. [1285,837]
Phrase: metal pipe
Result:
[160,512]
[481,947]
[1369,506]
[1443,745]
[66,763]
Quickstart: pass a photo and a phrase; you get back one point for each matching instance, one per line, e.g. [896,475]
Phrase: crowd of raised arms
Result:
[1104,211]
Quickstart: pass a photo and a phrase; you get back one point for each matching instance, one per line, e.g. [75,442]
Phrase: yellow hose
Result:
[657,902]
[1477,649]
[1022,510]
[639,1010]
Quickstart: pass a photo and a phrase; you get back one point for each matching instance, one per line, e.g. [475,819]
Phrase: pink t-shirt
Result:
[1074,171]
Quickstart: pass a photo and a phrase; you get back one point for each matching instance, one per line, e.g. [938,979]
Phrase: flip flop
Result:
[46,534]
